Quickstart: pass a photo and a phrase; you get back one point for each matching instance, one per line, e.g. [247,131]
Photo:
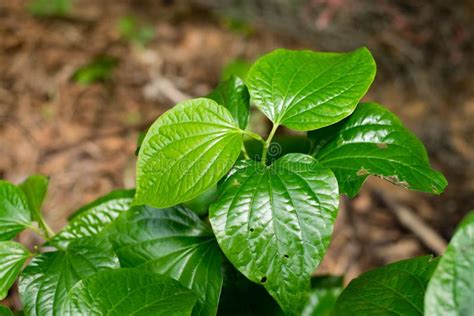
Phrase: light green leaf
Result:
[5,311]
[91,219]
[35,188]
[13,256]
[373,141]
[396,289]
[274,223]
[185,152]
[45,283]
[234,95]
[324,293]
[173,242]
[131,292]
[14,212]
[306,90]
[451,289]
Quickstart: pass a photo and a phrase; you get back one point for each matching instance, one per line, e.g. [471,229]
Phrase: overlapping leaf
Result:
[173,242]
[233,94]
[373,141]
[274,223]
[324,293]
[91,219]
[131,292]
[306,90]
[14,211]
[12,258]
[46,282]
[451,289]
[35,188]
[185,152]
[5,311]
[395,289]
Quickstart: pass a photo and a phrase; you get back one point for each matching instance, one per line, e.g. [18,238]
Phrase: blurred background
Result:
[79,79]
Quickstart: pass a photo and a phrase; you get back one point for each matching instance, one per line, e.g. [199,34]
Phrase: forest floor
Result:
[84,137]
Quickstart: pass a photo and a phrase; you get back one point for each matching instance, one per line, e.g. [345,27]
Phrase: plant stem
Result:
[49,232]
[244,151]
[267,143]
[255,136]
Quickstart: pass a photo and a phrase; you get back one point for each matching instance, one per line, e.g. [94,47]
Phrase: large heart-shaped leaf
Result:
[45,283]
[306,90]
[173,242]
[234,95]
[131,292]
[14,212]
[396,289]
[186,151]
[12,258]
[91,219]
[274,223]
[373,141]
[35,188]
[451,289]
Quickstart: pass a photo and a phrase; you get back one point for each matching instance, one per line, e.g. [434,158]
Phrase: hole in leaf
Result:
[251,230]
[263,280]
[286,256]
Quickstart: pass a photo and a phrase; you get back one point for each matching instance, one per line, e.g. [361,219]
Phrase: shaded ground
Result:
[84,137]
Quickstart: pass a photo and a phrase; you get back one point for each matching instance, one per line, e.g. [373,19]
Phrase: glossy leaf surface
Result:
[173,242]
[451,289]
[45,283]
[14,211]
[395,289]
[35,188]
[234,95]
[306,90]
[131,292]
[13,256]
[94,217]
[186,151]
[373,141]
[274,223]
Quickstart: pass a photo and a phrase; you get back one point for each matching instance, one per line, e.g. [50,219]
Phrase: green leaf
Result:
[242,297]
[451,289]
[13,256]
[92,218]
[131,292]
[234,95]
[5,311]
[306,90]
[173,242]
[35,188]
[185,152]
[45,283]
[200,205]
[98,70]
[373,141]
[324,293]
[279,146]
[14,212]
[274,223]
[396,289]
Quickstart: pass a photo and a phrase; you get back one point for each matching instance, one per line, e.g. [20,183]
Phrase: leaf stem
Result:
[48,231]
[255,136]
[267,143]
[244,151]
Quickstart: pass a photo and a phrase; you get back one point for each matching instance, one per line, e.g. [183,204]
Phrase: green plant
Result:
[97,70]
[271,209]
[50,8]
[133,31]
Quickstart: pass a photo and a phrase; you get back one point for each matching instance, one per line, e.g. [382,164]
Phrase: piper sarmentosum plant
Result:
[214,225]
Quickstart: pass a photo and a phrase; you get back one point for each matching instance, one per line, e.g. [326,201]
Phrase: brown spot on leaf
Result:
[382,145]
[362,172]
